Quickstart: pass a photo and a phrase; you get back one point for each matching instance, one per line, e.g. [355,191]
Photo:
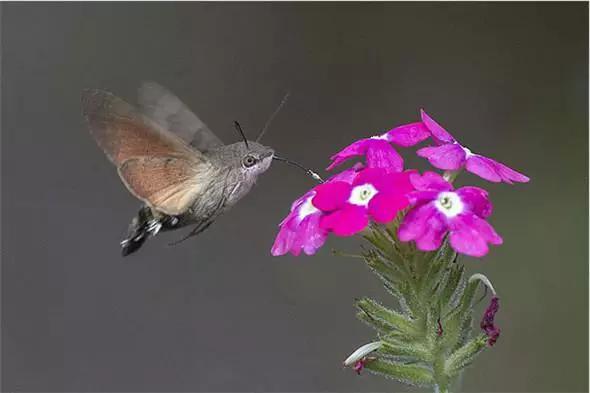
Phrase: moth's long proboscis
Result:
[311,173]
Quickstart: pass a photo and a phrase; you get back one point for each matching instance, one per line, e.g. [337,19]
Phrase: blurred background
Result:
[218,313]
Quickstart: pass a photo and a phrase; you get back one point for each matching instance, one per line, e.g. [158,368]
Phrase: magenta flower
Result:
[450,155]
[439,210]
[374,193]
[378,150]
[300,230]
[487,322]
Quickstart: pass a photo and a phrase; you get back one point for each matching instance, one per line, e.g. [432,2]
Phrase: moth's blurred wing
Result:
[165,108]
[123,133]
[168,184]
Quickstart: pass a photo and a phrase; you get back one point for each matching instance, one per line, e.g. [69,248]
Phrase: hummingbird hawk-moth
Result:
[172,162]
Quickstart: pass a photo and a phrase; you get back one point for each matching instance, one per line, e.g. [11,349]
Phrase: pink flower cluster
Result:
[377,191]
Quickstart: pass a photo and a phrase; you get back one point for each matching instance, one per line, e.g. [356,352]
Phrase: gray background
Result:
[219,313]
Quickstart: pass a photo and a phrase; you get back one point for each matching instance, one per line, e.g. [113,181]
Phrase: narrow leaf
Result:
[406,373]
[394,319]
[463,357]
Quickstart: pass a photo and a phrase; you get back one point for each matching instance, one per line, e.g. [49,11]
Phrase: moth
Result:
[172,162]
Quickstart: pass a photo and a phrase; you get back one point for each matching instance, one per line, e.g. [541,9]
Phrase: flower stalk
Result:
[427,340]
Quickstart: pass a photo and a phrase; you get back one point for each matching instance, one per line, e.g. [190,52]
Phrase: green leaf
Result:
[452,285]
[465,355]
[406,373]
[378,325]
[438,263]
[391,318]
[387,271]
[393,346]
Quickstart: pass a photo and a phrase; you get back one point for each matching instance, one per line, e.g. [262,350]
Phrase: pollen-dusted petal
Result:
[447,157]
[384,206]
[346,221]
[437,131]
[310,237]
[331,195]
[483,167]
[430,181]
[476,200]
[509,175]
[297,234]
[283,242]
[380,154]
[415,222]
[408,134]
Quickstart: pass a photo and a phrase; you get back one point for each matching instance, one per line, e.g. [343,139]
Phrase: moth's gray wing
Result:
[157,166]
[169,111]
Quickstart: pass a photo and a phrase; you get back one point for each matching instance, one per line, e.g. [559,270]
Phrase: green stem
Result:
[450,176]
[428,342]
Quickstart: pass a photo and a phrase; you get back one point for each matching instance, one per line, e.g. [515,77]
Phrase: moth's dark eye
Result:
[249,161]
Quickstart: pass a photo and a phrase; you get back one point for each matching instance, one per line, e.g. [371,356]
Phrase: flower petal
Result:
[346,221]
[380,154]
[369,175]
[416,222]
[331,195]
[486,230]
[384,207]
[509,175]
[431,239]
[357,148]
[347,175]
[476,200]
[447,157]
[440,134]
[421,197]
[470,235]
[399,183]
[310,236]
[483,167]
[408,134]
[295,236]
[284,241]
[430,181]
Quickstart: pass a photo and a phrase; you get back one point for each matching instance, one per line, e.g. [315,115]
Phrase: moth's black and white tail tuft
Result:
[142,226]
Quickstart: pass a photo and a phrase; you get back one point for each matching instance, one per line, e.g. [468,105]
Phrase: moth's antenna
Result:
[239,128]
[270,119]
[298,165]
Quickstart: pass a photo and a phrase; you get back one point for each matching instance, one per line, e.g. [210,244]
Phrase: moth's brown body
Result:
[171,161]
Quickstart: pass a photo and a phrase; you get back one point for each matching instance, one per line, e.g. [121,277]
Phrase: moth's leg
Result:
[155,223]
[197,230]
[205,223]
[153,227]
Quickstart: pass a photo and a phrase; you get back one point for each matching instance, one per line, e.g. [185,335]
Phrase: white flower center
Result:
[306,208]
[362,195]
[449,204]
